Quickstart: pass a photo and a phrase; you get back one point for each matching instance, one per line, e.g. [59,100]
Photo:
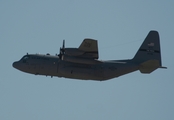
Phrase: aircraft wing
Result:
[90,48]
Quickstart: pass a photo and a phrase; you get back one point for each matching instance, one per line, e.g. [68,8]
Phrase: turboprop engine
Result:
[79,60]
[72,55]
[73,51]
[69,51]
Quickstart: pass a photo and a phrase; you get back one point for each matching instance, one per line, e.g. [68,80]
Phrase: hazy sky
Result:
[37,26]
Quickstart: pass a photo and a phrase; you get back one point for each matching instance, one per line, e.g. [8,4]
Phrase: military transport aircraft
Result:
[82,62]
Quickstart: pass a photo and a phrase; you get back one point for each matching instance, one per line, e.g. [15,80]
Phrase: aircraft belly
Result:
[87,73]
[31,68]
[116,70]
[48,69]
[42,68]
[126,69]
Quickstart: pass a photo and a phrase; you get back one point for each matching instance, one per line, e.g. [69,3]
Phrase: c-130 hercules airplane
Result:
[82,63]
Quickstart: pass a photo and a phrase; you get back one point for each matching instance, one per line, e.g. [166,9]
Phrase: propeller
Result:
[62,50]
[63,47]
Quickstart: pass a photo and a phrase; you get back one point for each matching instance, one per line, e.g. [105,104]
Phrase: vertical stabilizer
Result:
[150,49]
[149,54]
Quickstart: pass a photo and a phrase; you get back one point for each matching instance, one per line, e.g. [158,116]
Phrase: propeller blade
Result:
[60,53]
[63,47]
[62,50]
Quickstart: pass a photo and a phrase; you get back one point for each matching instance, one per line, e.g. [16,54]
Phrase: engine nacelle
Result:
[73,51]
[79,60]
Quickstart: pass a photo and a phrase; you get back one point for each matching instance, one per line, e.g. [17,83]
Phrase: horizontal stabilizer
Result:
[163,67]
[149,66]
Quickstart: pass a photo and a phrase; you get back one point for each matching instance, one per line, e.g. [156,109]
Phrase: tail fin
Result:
[149,54]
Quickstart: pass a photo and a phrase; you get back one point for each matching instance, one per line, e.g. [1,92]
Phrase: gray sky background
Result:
[37,26]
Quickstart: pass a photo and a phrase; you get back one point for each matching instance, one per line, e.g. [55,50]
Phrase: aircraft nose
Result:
[15,64]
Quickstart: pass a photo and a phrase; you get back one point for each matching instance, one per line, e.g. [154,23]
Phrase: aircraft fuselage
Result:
[52,66]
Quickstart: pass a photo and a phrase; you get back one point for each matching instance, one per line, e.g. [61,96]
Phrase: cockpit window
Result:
[25,58]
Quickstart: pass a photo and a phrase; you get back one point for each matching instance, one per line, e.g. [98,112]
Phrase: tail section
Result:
[149,54]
